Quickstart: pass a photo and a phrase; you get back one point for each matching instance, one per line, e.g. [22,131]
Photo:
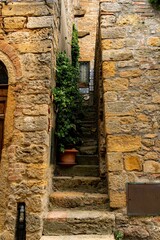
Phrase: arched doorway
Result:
[3,99]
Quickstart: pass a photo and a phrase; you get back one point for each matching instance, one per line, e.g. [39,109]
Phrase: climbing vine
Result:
[67,98]
[75,51]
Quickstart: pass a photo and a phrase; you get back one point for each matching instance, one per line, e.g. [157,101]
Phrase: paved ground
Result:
[79,237]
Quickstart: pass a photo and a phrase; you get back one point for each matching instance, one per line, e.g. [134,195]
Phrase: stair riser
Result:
[79,170]
[79,203]
[84,185]
[87,160]
[76,226]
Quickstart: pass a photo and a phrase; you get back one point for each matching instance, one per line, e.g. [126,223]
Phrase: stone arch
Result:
[9,54]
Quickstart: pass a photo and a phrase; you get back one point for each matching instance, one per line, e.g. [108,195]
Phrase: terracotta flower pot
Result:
[68,158]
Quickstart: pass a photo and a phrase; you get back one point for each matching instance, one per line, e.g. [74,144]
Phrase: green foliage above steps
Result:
[68,99]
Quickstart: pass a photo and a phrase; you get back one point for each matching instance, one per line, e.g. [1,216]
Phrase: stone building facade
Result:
[127,56]
[29,40]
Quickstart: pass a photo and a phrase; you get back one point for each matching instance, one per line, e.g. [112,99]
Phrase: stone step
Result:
[68,222]
[79,237]
[90,150]
[87,159]
[89,142]
[77,170]
[78,200]
[83,184]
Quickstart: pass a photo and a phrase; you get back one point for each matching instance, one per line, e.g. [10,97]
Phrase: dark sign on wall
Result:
[143,199]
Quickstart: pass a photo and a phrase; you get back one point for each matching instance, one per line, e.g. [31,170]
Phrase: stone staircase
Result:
[79,204]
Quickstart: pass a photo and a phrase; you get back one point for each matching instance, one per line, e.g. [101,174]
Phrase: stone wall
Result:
[130,40]
[29,38]
[87,22]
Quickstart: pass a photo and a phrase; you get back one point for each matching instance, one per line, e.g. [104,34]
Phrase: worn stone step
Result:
[83,184]
[78,200]
[79,237]
[87,159]
[77,170]
[77,222]
[89,142]
[88,149]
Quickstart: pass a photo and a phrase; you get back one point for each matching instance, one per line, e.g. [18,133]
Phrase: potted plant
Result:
[68,102]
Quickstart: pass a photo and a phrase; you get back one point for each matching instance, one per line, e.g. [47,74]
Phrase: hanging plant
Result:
[155,3]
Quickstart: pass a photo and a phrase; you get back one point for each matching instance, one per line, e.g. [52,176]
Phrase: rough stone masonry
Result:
[130,49]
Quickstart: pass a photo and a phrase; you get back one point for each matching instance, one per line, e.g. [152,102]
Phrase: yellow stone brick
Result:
[109,69]
[123,143]
[132,162]
[154,41]
[14,22]
[117,199]
[115,84]
[131,19]
[151,167]
[34,47]
[131,73]
[112,44]
[142,117]
[23,9]
[110,96]
[156,97]
[106,44]
[114,162]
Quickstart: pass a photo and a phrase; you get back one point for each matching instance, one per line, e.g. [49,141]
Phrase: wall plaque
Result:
[143,199]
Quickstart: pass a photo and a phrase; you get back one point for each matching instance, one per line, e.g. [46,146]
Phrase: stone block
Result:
[114,162]
[112,44]
[155,97]
[113,32]
[25,9]
[151,167]
[154,41]
[131,73]
[110,7]
[131,19]
[34,203]
[151,156]
[108,69]
[119,124]
[117,199]
[132,163]
[116,55]
[34,47]
[30,124]
[123,143]
[117,84]
[14,22]
[110,96]
[40,22]
[36,171]
[107,20]
[119,109]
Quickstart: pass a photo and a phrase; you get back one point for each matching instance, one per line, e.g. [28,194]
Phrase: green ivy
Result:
[118,235]
[68,101]
[75,51]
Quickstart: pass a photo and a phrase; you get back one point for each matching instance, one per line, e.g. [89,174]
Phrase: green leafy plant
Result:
[155,3]
[118,235]
[68,101]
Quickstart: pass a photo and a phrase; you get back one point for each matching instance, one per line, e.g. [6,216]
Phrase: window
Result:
[84,74]
[3,99]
